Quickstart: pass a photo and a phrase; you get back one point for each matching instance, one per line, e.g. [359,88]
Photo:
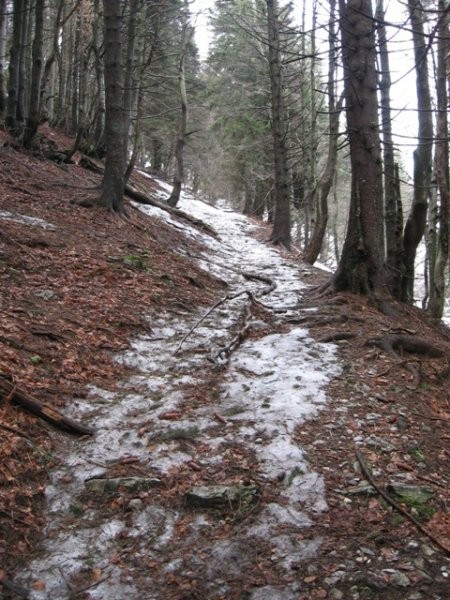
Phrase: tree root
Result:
[365,471]
[337,336]
[406,343]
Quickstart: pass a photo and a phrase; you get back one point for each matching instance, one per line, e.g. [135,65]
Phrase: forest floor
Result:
[79,286]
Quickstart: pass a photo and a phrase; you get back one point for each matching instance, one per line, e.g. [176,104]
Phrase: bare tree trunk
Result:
[415,225]
[3,30]
[392,202]
[113,179]
[129,70]
[323,187]
[99,120]
[437,291]
[187,32]
[360,269]
[35,89]
[12,108]
[281,232]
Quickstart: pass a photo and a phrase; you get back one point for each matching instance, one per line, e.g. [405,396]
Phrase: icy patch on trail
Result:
[272,385]
[26,219]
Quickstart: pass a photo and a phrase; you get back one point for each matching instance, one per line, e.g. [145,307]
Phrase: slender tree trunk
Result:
[12,110]
[35,89]
[113,179]
[437,291]
[99,124]
[128,94]
[360,269]
[392,202]
[179,148]
[3,30]
[416,222]
[323,187]
[281,232]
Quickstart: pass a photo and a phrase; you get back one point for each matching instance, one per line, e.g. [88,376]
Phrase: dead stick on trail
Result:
[365,471]
[212,309]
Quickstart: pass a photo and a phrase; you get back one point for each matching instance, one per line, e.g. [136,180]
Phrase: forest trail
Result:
[198,415]
[225,463]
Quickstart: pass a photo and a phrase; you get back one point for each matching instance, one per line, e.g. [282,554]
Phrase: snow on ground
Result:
[272,384]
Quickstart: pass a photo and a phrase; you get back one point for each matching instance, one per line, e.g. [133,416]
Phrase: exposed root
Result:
[406,343]
[339,335]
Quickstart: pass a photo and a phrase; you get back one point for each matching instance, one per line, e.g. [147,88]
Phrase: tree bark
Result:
[416,222]
[3,30]
[323,187]
[187,32]
[36,73]
[281,232]
[437,290]
[113,180]
[360,269]
[392,201]
[12,108]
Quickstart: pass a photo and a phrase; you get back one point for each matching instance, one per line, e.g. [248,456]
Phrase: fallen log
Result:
[142,198]
[9,391]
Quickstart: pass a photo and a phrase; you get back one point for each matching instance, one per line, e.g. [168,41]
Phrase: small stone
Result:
[427,550]
[135,504]
[424,576]
[336,594]
[46,294]
[400,578]
[222,496]
[416,493]
[129,484]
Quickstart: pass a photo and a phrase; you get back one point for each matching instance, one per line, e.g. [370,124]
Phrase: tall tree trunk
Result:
[281,232]
[392,202]
[130,80]
[99,120]
[437,291]
[12,109]
[113,179]
[3,30]
[416,222]
[35,89]
[360,269]
[182,126]
[322,189]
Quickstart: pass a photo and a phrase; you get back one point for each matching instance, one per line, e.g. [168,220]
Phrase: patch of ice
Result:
[26,220]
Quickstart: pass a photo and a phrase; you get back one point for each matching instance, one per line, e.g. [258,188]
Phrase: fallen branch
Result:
[210,310]
[142,198]
[226,351]
[365,471]
[15,394]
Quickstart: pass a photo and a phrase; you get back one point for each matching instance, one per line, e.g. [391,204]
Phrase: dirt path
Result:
[194,419]
[219,469]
